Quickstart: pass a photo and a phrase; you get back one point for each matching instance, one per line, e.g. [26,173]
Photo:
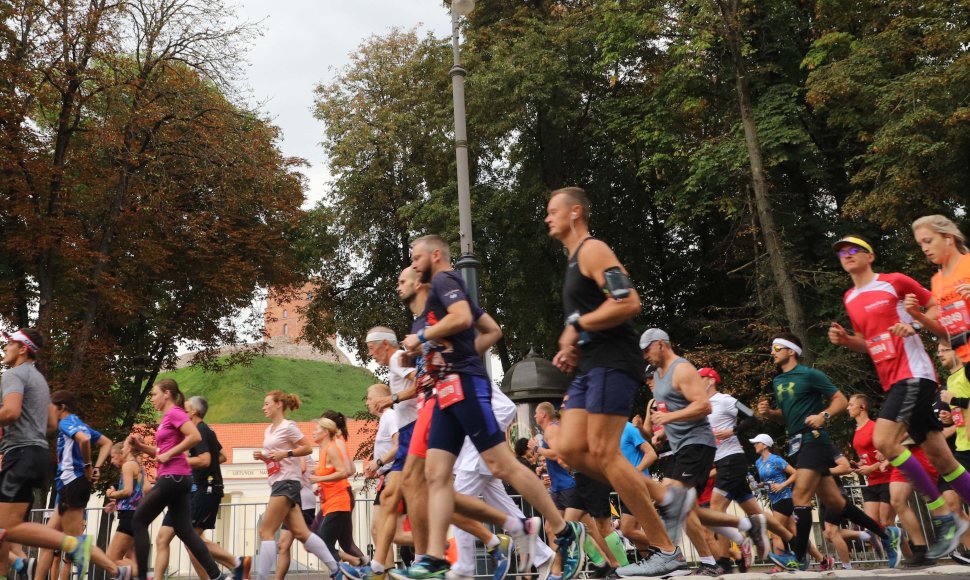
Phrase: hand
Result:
[89,473]
[866,469]
[383,403]
[763,407]
[110,507]
[568,337]
[164,457]
[911,303]
[566,359]
[815,421]
[370,470]
[110,491]
[946,396]
[134,441]
[902,329]
[412,344]
[837,334]
[95,474]
[722,434]
[776,487]
[658,438]
[258,455]
[659,419]
[277,455]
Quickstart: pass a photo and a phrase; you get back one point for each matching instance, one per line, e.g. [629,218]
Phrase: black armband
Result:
[618,284]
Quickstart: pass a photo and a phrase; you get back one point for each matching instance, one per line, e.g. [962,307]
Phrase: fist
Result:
[837,334]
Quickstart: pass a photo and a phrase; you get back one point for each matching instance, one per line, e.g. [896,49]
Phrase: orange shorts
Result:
[422,426]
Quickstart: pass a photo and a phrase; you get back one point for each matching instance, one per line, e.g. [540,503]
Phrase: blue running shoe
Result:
[80,557]
[502,557]
[788,561]
[570,543]
[428,567]
[891,545]
[360,572]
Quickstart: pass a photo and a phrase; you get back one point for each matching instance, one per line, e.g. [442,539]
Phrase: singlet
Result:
[772,470]
[958,384]
[866,450]
[333,494]
[138,490]
[680,433]
[168,436]
[724,416]
[614,348]
[559,477]
[954,313]
[876,307]
[70,463]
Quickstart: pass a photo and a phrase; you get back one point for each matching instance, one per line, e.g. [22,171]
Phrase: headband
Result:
[22,339]
[788,344]
[379,336]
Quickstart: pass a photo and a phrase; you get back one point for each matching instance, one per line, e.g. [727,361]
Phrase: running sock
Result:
[314,544]
[376,567]
[846,565]
[803,530]
[265,559]
[709,560]
[668,496]
[492,543]
[744,524]
[730,533]
[959,481]
[865,537]
[514,526]
[68,544]
[858,516]
[915,473]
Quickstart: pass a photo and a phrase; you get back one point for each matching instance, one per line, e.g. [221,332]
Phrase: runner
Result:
[957,395]
[885,329]
[26,413]
[641,456]
[331,477]
[204,459]
[462,407]
[875,493]
[600,345]
[124,500]
[308,505]
[562,484]
[283,445]
[800,393]
[385,450]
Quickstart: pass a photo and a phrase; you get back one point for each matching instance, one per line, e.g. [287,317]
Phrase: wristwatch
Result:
[573,321]
[380,462]
[395,398]
[916,326]
[289,453]
[826,416]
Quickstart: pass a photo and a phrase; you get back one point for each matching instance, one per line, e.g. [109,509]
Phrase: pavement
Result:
[928,573]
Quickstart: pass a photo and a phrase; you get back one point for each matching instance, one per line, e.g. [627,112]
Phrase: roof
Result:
[250,435]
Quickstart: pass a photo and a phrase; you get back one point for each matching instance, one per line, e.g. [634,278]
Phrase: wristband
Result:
[421,336]
[395,398]
[573,321]
[380,462]
[289,453]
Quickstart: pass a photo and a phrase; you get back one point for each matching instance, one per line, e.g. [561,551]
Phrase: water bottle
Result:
[752,483]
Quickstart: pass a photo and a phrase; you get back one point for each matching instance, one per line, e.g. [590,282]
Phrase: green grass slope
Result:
[236,395]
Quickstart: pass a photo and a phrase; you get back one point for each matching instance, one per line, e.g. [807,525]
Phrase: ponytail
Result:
[172,388]
[291,401]
[339,420]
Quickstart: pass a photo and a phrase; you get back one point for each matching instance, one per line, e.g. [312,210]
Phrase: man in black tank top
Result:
[599,343]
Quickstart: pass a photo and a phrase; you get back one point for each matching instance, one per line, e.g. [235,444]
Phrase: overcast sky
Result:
[304,42]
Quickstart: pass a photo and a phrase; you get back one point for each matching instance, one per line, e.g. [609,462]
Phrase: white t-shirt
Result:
[384,440]
[283,438]
[468,457]
[407,411]
[724,415]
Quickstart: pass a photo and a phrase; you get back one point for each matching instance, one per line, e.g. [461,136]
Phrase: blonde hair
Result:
[329,426]
[940,224]
[379,389]
[547,408]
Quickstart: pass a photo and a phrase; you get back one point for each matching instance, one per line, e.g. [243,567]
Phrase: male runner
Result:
[875,494]
[957,395]
[885,330]
[800,393]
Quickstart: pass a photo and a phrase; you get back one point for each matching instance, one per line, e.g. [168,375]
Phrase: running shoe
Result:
[80,557]
[26,570]
[827,563]
[501,557]
[452,575]
[747,555]
[599,572]
[675,512]
[657,564]
[243,565]
[891,545]
[428,567]
[788,561]
[758,533]
[961,556]
[570,543]
[545,569]
[918,559]
[360,572]
[947,530]
[124,573]
[525,542]
[711,570]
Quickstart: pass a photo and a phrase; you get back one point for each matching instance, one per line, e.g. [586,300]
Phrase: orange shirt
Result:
[333,494]
[954,313]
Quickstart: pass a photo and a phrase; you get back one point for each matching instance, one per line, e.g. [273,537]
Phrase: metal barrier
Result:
[237,530]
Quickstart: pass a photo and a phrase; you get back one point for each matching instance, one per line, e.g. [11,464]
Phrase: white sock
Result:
[492,542]
[315,546]
[846,565]
[709,560]
[265,559]
[668,496]
[730,533]
[376,566]
[744,524]
[865,536]
[513,526]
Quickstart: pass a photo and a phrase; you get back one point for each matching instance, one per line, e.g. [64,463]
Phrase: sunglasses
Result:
[778,347]
[851,251]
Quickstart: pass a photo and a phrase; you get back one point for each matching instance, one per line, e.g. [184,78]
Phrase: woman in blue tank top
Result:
[125,498]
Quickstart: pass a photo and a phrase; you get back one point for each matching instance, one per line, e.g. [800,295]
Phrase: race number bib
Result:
[661,408]
[881,348]
[957,414]
[273,467]
[795,444]
[955,318]
[450,391]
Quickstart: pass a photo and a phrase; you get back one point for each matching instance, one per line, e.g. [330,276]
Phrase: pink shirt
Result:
[283,438]
[168,436]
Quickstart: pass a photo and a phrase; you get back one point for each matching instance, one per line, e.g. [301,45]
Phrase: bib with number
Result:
[881,347]
[957,414]
[273,467]
[795,444]
[450,391]
[955,317]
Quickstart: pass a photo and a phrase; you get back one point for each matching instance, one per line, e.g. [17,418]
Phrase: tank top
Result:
[559,478]
[680,433]
[333,494]
[138,484]
[613,348]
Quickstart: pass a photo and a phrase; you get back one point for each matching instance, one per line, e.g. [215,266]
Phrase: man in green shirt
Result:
[801,395]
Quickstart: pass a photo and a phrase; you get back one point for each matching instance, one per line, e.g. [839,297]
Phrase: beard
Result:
[425,277]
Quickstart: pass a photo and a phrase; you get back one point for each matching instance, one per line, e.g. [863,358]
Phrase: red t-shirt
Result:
[876,307]
[866,450]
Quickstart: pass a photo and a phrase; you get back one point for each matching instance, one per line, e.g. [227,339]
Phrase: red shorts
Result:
[422,426]
[917,451]
[705,497]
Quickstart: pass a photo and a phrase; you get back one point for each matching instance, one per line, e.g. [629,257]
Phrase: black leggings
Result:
[339,527]
[173,492]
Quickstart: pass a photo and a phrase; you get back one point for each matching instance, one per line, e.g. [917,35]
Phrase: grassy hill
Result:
[236,395]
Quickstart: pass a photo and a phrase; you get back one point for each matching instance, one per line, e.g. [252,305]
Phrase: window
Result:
[286,314]
[286,330]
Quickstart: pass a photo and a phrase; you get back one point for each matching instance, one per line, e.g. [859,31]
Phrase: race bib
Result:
[661,408]
[450,391]
[957,414]
[273,467]
[955,318]
[794,444]
[881,348]
[420,402]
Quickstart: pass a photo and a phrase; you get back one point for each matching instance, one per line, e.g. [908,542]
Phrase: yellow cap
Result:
[855,242]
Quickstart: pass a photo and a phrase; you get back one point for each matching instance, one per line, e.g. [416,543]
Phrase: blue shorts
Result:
[603,391]
[472,416]
[403,442]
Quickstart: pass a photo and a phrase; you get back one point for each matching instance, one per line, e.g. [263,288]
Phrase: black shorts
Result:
[817,456]
[380,490]
[692,466]
[22,473]
[563,498]
[785,507]
[963,458]
[288,488]
[876,493]
[309,515]
[124,522]
[732,478]
[592,497]
[205,510]
[910,401]
[74,495]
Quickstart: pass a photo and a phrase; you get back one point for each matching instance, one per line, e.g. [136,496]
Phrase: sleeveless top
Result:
[559,478]
[613,348]
[131,502]
[680,433]
[333,494]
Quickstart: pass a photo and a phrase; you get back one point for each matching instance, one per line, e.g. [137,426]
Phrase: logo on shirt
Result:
[781,389]
[877,304]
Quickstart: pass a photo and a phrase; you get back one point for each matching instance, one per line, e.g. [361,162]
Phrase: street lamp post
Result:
[467,263]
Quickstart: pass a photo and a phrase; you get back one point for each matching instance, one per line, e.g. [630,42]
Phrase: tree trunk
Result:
[763,205]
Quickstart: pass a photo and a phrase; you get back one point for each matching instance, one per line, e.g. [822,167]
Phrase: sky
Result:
[304,43]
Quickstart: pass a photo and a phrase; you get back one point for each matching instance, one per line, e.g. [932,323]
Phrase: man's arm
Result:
[838,404]
[489,333]
[459,318]
[550,434]
[840,336]
[690,384]
[11,408]
[649,456]
[200,461]
[767,413]
[595,259]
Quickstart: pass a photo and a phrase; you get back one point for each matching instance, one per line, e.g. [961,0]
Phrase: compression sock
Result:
[959,481]
[265,559]
[730,533]
[315,545]
[860,517]
[803,531]
[915,473]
